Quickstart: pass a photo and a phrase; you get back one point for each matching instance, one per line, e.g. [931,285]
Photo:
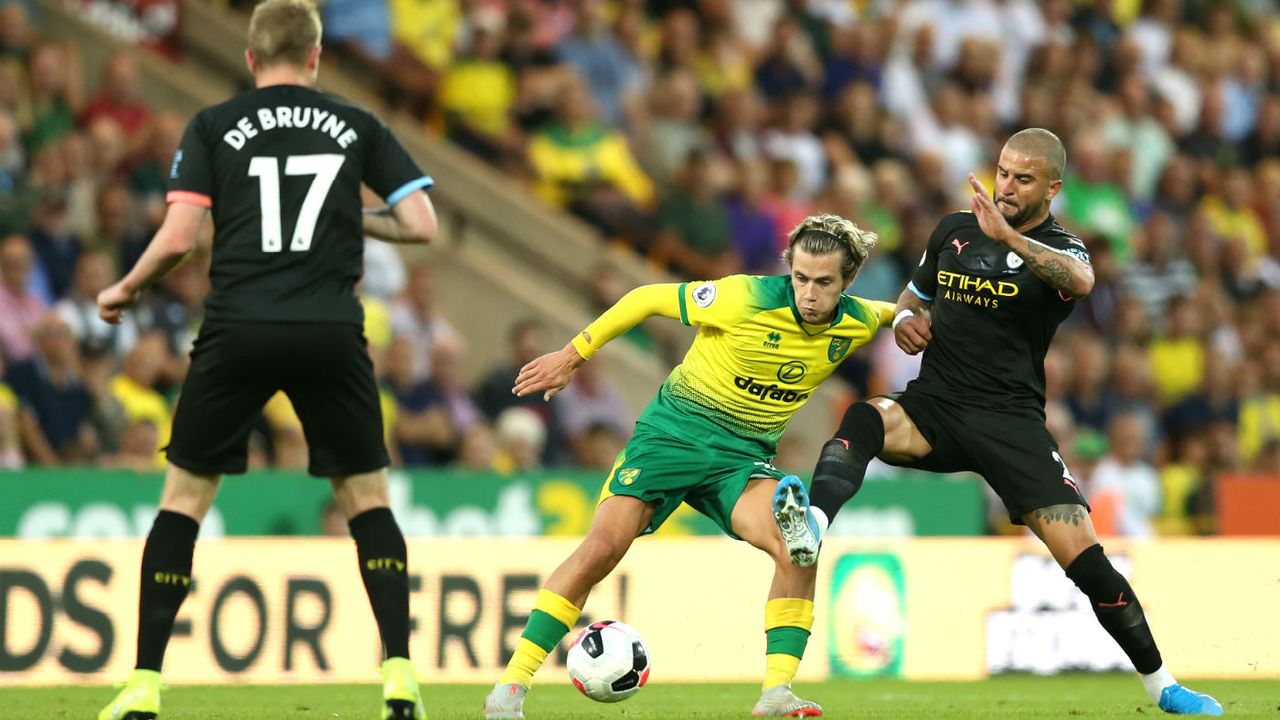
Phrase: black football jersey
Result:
[280,168]
[993,318]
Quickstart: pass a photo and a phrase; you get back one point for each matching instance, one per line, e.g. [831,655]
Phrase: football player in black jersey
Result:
[279,169]
[983,305]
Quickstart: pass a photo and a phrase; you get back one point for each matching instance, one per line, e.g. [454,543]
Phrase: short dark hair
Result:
[1038,142]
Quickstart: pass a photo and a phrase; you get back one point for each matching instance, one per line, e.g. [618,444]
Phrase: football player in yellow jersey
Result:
[763,346]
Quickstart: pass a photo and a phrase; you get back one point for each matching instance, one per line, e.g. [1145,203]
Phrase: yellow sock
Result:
[549,622]
[787,622]
[779,669]
[524,662]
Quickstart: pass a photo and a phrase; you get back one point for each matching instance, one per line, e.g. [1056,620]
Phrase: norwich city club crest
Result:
[837,349]
[626,476]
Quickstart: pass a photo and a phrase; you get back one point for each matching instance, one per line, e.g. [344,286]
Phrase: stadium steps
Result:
[484,284]
[501,255]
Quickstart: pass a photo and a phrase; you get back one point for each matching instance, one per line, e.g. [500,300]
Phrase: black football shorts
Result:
[1013,452]
[325,370]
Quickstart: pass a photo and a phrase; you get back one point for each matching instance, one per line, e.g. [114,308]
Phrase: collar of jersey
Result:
[804,326]
[1046,223]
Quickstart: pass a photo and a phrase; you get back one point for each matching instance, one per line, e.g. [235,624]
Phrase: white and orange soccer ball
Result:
[608,661]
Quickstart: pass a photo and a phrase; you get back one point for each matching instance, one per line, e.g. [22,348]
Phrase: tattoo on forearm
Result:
[1066,514]
[910,301]
[917,305]
[1052,266]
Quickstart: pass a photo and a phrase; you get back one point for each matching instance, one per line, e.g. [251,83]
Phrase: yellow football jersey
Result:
[754,361]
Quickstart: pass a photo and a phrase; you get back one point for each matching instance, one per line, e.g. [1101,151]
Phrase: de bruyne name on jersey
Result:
[290,117]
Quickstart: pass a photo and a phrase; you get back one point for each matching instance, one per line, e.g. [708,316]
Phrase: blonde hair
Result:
[825,234]
[284,31]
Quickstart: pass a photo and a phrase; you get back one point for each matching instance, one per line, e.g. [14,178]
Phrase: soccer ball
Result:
[608,661]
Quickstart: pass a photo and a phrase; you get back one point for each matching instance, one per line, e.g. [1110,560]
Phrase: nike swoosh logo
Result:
[1118,603]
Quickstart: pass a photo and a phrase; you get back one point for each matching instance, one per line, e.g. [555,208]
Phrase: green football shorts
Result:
[664,471]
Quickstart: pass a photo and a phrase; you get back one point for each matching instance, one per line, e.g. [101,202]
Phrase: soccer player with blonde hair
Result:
[708,438]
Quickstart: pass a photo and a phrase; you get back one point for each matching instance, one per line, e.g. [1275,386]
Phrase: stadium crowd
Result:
[698,133]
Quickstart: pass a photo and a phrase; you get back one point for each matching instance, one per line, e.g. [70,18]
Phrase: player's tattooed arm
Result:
[1063,271]
[1066,272]
[916,304]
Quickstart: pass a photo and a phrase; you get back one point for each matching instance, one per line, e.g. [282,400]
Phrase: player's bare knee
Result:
[778,551]
[361,504]
[1065,529]
[1065,549]
[765,538]
[188,493]
[356,494]
[602,551]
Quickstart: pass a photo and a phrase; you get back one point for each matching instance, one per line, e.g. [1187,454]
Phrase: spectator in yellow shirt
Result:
[1259,421]
[1180,478]
[1177,358]
[478,92]
[134,389]
[587,168]
[1232,217]
[428,28]
[288,444]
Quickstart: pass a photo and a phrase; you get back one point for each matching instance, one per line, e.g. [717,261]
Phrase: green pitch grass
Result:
[1078,697]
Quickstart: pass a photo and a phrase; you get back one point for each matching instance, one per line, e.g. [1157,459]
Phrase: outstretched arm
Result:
[1063,271]
[551,372]
[175,238]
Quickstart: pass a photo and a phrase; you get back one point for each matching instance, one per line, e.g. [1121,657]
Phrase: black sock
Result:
[843,461]
[1116,606]
[384,566]
[165,580]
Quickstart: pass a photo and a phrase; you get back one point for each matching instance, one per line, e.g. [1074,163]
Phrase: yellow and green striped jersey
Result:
[754,361]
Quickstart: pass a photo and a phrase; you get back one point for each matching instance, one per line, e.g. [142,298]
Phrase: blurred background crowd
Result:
[698,132]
